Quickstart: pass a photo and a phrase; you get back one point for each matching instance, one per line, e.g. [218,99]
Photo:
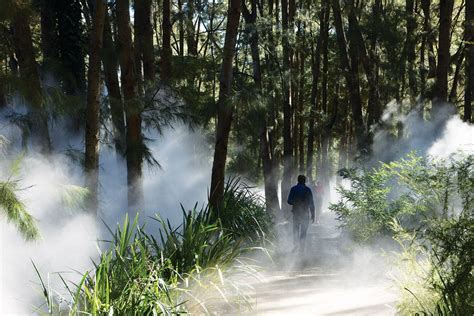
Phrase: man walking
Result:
[301,198]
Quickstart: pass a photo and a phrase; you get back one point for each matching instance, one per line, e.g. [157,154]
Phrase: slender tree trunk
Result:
[373,107]
[287,137]
[315,70]
[469,63]
[352,80]
[457,72]
[301,122]
[180,28]
[441,89]
[326,126]
[30,80]
[144,42]
[132,108]
[225,109]
[110,62]
[410,45]
[49,35]
[166,52]
[191,41]
[91,161]
[270,183]
[71,43]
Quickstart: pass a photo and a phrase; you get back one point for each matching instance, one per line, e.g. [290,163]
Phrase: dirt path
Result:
[325,280]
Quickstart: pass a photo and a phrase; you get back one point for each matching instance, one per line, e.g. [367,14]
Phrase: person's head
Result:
[301,179]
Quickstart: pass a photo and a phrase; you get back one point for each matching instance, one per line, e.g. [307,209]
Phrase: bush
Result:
[427,206]
[143,275]
[411,191]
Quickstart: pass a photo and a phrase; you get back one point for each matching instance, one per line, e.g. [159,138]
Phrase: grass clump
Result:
[175,270]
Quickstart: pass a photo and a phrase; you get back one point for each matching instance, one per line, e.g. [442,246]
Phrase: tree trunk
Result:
[71,40]
[132,107]
[30,80]
[410,45]
[110,62]
[271,186]
[352,80]
[191,40]
[457,72]
[373,107]
[91,162]
[287,137]
[441,89]
[469,62]
[315,70]
[224,109]
[301,122]
[49,36]
[144,42]
[166,52]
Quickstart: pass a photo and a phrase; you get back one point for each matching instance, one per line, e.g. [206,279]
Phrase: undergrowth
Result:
[188,268]
[427,206]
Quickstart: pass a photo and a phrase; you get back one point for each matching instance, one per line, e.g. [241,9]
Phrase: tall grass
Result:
[173,270]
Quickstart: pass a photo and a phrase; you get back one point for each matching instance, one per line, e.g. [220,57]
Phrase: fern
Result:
[16,212]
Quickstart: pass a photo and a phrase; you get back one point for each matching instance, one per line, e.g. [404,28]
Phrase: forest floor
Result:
[327,279]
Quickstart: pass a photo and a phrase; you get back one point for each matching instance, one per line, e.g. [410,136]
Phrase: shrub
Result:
[427,206]
[142,275]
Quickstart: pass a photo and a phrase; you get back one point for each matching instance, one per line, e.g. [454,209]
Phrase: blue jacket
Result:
[301,198]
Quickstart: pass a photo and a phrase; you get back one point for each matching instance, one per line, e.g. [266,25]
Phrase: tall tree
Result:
[469,61]
[71,44]
[224,108]
[315,70]
[361,54]
[144,39]
[91,162]
[352,79]
[110,62]
[30,79]
[266,152]
[287,114]
[166,52]
[134,152]
[191,40]
[410,44]
[49,31]
[444,44]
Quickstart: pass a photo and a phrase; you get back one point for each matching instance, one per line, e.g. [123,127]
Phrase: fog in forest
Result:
[69,237]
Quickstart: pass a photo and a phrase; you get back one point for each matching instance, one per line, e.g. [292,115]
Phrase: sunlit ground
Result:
[325,280]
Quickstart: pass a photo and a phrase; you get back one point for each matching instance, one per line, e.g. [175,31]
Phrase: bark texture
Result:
[30,80]
[134,150]
[91,162]
[225,109]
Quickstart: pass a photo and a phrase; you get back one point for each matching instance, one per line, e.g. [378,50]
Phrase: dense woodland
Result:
[278,88]
[284,87]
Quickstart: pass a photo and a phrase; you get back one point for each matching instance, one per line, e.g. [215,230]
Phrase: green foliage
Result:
[427,206]
[243,212]
[73,196]
[410,191]
[178,272]
[15,210]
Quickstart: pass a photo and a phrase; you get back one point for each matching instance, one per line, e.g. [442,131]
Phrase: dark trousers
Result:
[300,227]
